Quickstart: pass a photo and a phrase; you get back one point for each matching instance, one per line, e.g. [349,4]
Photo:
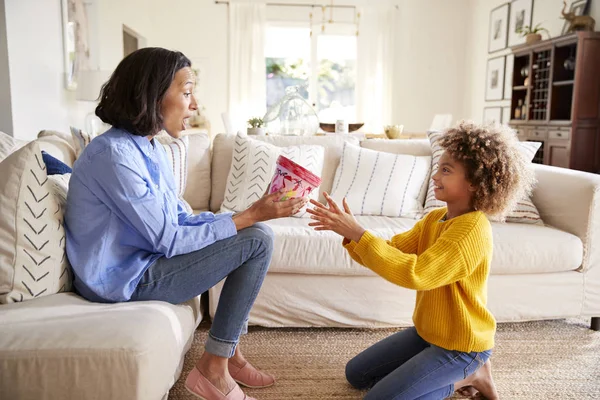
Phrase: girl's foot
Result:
[481,381]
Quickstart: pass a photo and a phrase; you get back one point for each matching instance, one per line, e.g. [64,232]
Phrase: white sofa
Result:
[62,346]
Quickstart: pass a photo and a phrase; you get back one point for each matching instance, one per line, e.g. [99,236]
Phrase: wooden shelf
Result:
[564,83]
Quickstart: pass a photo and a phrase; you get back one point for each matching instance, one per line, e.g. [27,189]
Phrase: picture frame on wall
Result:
[508,77]
[506,117]
[492,115]
[521,13]
[494,82]
[76,51]
[498,29]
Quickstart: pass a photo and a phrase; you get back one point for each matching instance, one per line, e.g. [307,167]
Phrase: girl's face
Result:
[451,184]
[179,103]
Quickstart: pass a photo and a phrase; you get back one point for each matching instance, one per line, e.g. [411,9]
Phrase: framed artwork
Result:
[576,7]
[494,82]
[520,16]
[508,77]
[498,29]
[492,115]
[506,115]
[75,40]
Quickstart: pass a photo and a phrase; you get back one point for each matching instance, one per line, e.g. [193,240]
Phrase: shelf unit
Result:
[558,82]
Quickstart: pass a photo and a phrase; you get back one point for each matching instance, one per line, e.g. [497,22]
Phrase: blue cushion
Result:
[55,166]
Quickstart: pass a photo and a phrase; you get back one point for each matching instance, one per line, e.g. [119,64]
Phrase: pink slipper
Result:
[248,376]
[201,387]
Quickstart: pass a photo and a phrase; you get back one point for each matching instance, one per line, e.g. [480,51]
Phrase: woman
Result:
[129,238]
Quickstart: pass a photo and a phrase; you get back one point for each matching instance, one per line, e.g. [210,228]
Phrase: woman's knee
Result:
[261,233]
[355,374]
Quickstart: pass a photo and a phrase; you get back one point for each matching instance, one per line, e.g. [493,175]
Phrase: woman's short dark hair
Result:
[131,98]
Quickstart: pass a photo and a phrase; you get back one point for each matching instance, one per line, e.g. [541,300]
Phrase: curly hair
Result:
[494,164]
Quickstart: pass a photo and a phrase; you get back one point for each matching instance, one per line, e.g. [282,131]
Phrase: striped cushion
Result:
[525,212]
[177,155]
[381,183]
[80,139]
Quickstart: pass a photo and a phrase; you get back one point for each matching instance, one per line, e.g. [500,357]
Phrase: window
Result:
[324,65]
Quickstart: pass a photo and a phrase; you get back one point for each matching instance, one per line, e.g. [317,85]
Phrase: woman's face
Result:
[179,103]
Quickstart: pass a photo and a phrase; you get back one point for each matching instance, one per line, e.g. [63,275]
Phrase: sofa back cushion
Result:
[198,185]
[413,147]
[223,153]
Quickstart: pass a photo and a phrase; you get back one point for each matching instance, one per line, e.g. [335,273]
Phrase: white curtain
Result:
[247,77]
[375,66]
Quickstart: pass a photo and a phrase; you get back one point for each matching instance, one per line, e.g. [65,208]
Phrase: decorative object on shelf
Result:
[577,18]
[328,127]
[292,115]
[341,127]
[393,131]
[517,114]
[508,76]
[532,34]
[492,115]
[520,16]
[494,84]
[498,29]
[256,127]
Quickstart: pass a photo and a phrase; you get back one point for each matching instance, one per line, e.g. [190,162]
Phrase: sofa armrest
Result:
[570,200]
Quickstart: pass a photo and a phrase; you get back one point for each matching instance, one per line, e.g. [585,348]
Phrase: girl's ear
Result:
[472,188]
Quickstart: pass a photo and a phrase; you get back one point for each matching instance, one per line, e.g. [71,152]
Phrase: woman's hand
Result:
[332,218]
[266,208]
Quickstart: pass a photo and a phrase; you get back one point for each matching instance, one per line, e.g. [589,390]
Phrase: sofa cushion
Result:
[54,166]
[518,248]
[33,262]
[57,147]
[9,145]
[223,151]
[65,347]
[381,183]
[413,147]
[198,186]
[252,168]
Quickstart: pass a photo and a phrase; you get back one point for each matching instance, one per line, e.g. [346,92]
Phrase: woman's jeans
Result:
[405,367]
[243,259]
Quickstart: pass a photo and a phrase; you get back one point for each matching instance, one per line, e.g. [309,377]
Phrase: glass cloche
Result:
[292,115]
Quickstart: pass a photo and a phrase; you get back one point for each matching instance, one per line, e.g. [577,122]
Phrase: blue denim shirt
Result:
[123,213]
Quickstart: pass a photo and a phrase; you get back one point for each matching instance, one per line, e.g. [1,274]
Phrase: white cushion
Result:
[177,153]
[525,211]
[122,351]
[81,139]
[8,145]
[381,183]
[198,185]
[301,249]
[223,149]
[413,147]
[518,248]
[33,262]
[253,166]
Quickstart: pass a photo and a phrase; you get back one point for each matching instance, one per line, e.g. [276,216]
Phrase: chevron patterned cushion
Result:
[33,262]
[525,212]
[253,166]
[381,183]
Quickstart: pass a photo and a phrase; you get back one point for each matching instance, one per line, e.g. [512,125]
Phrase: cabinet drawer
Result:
[538,134]
[562,134]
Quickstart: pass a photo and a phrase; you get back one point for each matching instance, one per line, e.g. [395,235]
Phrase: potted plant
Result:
[256,126]
[532,34]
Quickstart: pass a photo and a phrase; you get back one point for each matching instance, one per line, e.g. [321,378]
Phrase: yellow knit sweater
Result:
[448,264]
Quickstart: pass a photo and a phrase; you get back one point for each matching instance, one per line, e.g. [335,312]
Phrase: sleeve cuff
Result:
[224,228]
[362,247]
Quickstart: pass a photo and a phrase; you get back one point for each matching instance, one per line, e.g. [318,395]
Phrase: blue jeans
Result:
[244,259]
[405,367]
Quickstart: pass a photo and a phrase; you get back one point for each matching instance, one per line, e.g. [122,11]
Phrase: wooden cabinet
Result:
[558,82]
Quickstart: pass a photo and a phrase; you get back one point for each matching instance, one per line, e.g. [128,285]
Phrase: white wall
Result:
[430,61]
[546,12]
[6,122]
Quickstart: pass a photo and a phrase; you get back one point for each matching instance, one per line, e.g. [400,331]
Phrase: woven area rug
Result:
[558,359]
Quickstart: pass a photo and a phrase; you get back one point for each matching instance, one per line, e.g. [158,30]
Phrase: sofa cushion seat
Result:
[518,248]
[67,346]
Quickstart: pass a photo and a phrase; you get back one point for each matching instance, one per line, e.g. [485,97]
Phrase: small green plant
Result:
[255,123]
[528,30]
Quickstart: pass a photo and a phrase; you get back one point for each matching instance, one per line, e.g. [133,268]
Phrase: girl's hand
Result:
[332,218]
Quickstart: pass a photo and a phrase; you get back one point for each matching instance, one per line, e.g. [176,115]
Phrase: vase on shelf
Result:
[291,116]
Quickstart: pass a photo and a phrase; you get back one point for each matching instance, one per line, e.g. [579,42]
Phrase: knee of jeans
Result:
[354,375]
[265,228]
[264,234]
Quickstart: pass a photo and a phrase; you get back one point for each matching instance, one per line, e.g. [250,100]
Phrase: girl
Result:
[446,258]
